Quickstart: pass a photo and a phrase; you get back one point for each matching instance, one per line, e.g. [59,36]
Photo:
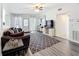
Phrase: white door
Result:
[62,26]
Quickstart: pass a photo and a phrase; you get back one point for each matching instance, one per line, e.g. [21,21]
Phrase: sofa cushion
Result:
[16,30]
[13,32]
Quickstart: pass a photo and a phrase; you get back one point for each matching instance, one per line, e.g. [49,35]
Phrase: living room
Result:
[46,26]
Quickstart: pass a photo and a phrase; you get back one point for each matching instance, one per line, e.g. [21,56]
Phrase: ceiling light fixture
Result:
[38,7]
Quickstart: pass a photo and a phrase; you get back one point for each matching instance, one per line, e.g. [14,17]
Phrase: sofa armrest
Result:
[3,42]
[17,34]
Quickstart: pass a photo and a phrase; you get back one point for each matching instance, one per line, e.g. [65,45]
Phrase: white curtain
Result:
[17,21]
[32,21]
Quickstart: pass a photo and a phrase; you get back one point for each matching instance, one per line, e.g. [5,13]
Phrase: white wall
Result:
[0,31]
[51,14]
[0,16]
[72,10]
[8,19]
[5,18]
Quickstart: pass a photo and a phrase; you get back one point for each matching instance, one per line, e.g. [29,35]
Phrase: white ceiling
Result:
[26,8]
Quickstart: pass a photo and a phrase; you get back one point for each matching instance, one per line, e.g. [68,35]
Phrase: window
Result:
[43,22]
[25,22]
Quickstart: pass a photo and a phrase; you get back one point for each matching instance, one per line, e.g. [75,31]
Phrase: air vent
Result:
[59,9]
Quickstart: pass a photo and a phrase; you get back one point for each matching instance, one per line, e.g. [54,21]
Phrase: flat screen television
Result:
[49,23]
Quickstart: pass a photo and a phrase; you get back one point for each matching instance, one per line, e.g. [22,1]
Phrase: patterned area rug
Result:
[39,41]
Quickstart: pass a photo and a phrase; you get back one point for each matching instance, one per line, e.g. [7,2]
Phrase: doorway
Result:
[62,26]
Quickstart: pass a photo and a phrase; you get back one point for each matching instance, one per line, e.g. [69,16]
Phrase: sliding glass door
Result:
[32,24]
[20,22]
[25,24]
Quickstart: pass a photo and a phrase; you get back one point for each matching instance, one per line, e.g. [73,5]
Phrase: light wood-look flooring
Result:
[63,48]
